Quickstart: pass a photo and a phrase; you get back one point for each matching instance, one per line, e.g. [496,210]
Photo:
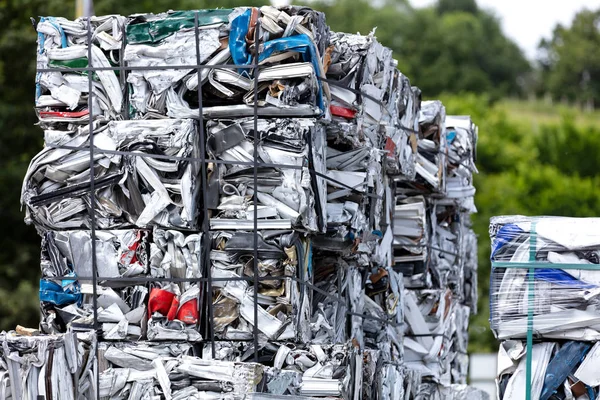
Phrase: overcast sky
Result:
[527,21]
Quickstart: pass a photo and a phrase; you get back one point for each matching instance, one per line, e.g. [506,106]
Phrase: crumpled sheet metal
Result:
[283,302]
[317,371]
[364,108]
[130,189]
[429,391]
[295,195]
[429,322]
[61,96]
[403,132]
[123,305]
[565,301]
[169,371]
[48,366]
[384,300]
[461,137]
[291,44]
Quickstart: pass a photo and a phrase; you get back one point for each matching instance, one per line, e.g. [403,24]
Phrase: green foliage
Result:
[529,169]
[571,62]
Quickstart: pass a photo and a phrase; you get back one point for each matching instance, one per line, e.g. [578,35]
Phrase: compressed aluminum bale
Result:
[66,293]
[294,195]
[169,371]
[331,371]
[130,190]
[48,366]
[68,301]
[283,303]
[411,230]
[62,96]
[292,40]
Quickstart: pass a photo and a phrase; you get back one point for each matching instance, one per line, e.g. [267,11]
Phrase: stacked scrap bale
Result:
[544,306]
[242,201]
[435,250]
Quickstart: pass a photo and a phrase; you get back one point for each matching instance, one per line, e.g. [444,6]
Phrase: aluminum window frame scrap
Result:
[555,261]
[221,196]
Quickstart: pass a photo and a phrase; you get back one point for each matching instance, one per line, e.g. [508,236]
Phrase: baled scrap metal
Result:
[48,366]
[362,78]
[62,95]
[68,301]
[131,188]
[429,319]
[290,44]
[168,371]
[289,189]
[544,282]
[384,303]
[411,229]
[323,181]
[283,302]
[124,304]
[320,371]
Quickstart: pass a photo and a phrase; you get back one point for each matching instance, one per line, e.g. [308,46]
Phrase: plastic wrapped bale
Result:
[167,370]
[461,136]
[66,290]
[153,183]
[283,303]
[566,369]
[547,266]
[291,190]
[62,95]
[291,42]
[48,366]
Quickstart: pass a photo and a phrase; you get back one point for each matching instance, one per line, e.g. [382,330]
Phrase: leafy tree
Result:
[468,6]
[570,61]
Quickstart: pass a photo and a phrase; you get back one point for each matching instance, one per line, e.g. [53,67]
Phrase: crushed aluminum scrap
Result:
[362,274]
[48,366]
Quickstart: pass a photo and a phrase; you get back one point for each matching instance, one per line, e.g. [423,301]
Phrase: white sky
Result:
[527,21]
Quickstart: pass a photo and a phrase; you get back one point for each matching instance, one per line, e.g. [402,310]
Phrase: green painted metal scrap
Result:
[155,31]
